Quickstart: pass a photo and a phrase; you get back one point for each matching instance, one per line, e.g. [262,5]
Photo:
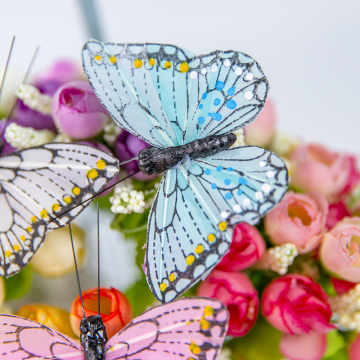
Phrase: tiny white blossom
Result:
[34,99]
[111,132]
[284,144]
[126,200]
[21,137]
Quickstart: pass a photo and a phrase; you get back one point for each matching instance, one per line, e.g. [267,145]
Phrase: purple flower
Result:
[6,148]
[77,111]
[128,146]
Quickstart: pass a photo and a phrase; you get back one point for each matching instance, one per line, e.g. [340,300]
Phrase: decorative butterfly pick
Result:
[39,184]
[187,107]
[190,328]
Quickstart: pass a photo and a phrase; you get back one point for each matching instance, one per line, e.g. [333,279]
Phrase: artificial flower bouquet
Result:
[290,283]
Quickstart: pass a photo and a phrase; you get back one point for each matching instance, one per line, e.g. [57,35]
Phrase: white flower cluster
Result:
[21,137]
[111,132]
[240,138]
[225,354]
[126,200]
[34,99]
[281,257]
[284,144]
[346,309]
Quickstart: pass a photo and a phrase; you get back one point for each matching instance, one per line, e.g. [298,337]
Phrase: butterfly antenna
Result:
[26,78]
[127,161]
[6,66]
[98,250]
[94,196]
[77,271]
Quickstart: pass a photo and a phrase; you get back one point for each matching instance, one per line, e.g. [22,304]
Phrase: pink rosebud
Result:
[295,304]
[354,175]
[310,346]
[246,249]
[298,219]
[354,349]
[340,250]
[317,169]
[77,111]
[235,291]
[336,212]
[341,286]
[261,131]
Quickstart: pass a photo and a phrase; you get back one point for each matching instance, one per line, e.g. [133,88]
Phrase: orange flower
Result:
[115,309]
[50,316]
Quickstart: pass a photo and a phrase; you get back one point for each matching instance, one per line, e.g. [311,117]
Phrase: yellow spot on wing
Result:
[112,59]
[151,61]
[208,311]
[43,213]
[138,63]
[223,226]
[101,164]
[22,238]
[211,237]
[172,277]
[76,190]
[184,67]
[204,324]
[67,199]
[167,65]
[28,229]
[92,174]
[195,349]
[16,247]
[7,253]
[190,259]
[163,287]
[98,57]
[55,207]
[33,219]
[199,249]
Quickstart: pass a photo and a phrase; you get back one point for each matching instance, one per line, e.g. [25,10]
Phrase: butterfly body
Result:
[93,337]
[153,160]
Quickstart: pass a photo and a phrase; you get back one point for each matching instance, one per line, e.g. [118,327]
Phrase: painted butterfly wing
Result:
[190,328]
[167,96]
[26,339]
[188,229]
[38,185]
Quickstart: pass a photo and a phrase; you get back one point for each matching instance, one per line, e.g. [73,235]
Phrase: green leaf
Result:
[340,355]
[140,296]
[335,342]
[18,285]
[261,343]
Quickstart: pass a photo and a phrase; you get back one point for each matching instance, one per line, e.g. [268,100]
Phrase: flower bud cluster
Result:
[126,200]
[281,257]
[34,99]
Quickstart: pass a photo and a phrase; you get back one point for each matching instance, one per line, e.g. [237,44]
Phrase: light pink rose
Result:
[317,169]
[311,346]
[298,219]
[77,111]
[246,249]
[295,304]
[340,250]
[261,131]
[235,291]
[354,350]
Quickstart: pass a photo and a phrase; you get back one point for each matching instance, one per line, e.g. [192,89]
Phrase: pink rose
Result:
[77,111]
[310,346]
[295,304]
[354,350]
[246,249]
[341,286]
[298,219]
[317,169]
[336,212]
[235,291]
[354,175]
[340,250]
[261,131]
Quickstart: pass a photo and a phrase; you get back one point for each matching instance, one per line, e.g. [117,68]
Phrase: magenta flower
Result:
[77,111]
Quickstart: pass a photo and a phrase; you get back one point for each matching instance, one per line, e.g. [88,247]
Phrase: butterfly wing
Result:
[190,328]
[24,339]
[38,185]
[167,96]
[188,228]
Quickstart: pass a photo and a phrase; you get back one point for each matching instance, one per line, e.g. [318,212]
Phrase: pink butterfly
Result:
[187,329]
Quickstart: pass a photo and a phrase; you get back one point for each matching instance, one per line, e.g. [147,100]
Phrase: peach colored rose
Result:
[317,169]
[235,291]
[295,304]
[261,131]
[340,250]
[115,309]
[298,219]
[246,249]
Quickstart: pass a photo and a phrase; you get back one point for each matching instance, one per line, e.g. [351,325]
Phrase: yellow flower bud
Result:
[55,258]
[50,316]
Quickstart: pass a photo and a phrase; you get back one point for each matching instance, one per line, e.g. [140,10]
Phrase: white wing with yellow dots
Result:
[37,186]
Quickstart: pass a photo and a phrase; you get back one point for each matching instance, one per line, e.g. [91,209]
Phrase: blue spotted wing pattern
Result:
[39,184]
[207,198]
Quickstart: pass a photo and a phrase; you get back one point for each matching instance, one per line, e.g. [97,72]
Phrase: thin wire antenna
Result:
[94,196]
[26,77]
[91,18]
[77,272]
[127,161]
[98,249]
[6,66]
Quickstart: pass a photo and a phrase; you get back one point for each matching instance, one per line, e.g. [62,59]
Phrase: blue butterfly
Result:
[174,100]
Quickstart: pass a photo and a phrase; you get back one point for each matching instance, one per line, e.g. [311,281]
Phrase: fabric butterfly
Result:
[39,184]
[178,102]
[190,328]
